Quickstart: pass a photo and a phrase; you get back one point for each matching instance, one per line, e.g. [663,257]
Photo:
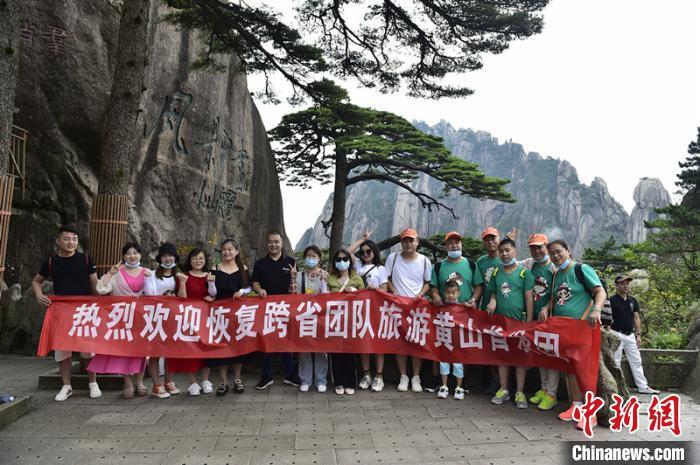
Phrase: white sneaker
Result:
[403,384]
[207,387]
[95,392]
[321,388]
[443,392]
[365,382]
[648,390]
[377,384]
[459,393]
[415,384]
[339,390]
[349,391]
[65,392]
[194,389]
[304,388]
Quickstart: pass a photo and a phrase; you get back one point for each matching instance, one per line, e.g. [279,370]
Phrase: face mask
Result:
[310,262]
[135,264]
[167,267]
[565,265]
[454,253]
[544,259]
[510,262]
[342,266]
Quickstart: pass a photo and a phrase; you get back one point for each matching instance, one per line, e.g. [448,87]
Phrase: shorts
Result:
[61,355]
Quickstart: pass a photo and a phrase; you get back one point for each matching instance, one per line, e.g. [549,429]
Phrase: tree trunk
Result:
[108,219]
[9,63]
[338,216]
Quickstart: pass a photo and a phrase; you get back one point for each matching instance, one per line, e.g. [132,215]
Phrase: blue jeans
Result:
[457,369]
[287,364]
[313,366]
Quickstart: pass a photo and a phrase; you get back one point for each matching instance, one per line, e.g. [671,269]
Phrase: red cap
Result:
[408,232]
[537,239]
[490,231]
[452,234]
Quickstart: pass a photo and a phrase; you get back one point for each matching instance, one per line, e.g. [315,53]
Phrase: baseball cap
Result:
[490,231]
[621,278]
[409,232]
[537,239]
[453,234]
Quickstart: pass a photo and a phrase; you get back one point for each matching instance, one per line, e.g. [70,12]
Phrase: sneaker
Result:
[403,384]
[494,387]
[365,382]
[349,391]
[433,385]
[459,393]
[339,390]
[159,391]
[292,380]
[443,392]
[264,383]
[304,388]
[568,414]
[238,386]
[171,388]
[65,392]
[501,396]
[547,403]
[520,400]
[95,392]
[539,395]
[415,384]
[648,390]
[207,387]
[194,389]
[377,384]
[594,423]
[321,388]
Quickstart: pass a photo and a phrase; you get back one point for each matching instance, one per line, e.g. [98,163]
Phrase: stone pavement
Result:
[283,426]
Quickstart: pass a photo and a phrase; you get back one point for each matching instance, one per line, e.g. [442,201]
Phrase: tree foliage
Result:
[413,45]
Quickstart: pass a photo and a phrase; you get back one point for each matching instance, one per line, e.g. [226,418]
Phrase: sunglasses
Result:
[366,251]
[342,259]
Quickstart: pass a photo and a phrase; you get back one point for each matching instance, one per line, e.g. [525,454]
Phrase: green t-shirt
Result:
[542,292]
[510,289]
[486,266]
[462,272]
[334,284]
[571,299]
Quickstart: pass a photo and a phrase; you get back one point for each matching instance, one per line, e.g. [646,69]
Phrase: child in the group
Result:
[311,281]
[125,279]
[511,296]
[72,273]
[195,283]
[452,291]
[163,282]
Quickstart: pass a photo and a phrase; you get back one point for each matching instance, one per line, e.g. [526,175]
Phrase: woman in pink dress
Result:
[125,279]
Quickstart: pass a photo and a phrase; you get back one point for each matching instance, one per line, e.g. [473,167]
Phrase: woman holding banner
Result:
[576,293]
[127,278]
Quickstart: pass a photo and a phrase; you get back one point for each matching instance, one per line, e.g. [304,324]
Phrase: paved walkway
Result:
[283,426]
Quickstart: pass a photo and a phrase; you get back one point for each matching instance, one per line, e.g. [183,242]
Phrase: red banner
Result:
[362,322]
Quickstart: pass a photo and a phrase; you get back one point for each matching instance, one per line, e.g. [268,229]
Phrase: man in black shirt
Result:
[627,326]
[72,273]
[273,275]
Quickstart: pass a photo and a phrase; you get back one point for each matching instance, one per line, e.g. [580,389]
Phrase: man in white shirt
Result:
[409,276]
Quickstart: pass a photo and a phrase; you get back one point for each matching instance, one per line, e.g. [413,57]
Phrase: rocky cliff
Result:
[551,198]
[203,168]
[649,195]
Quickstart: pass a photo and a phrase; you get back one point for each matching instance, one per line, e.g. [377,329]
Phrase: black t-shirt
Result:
[273,275]
[227,284]
[623,313]
[70,275]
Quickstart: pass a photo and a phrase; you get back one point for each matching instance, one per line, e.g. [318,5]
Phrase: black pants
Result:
[343,369]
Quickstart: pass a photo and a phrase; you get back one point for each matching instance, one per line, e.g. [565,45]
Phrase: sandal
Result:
[128,393]
[222,390]
[141,391]
[238,386]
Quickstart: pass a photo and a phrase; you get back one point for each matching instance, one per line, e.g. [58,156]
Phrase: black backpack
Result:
[606,317]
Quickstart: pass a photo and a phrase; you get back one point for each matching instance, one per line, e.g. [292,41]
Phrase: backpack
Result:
[606,312]
[438,265]
[521,274]
[87,264]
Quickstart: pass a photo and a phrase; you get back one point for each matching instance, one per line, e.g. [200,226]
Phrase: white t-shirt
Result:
[408,277]
[155,286]
[376,274]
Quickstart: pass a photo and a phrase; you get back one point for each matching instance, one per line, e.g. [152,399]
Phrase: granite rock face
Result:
[649,195]
[551,199]
[203,171]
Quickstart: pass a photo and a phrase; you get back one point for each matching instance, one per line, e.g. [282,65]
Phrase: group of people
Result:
[547,284]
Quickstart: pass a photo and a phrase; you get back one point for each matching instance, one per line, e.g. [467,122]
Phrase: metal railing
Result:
[18,155]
